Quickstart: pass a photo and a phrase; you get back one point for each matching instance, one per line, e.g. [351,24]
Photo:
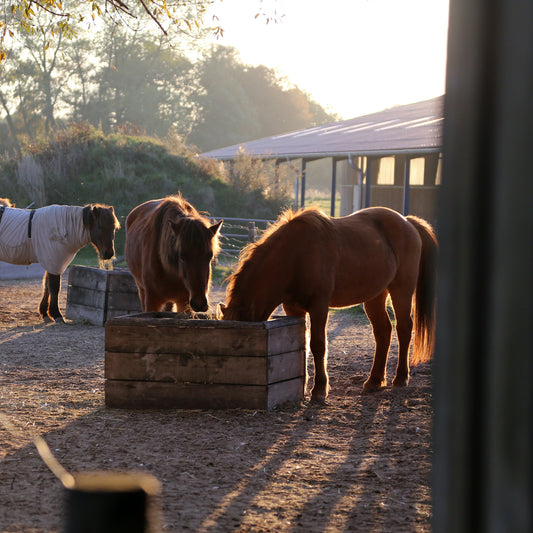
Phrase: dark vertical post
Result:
[333,185]
[370,164]
[483,431]
[406,184]
[302,192]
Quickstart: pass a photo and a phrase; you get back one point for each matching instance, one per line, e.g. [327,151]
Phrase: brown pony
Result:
[309,262]
[169,248]
[52,236]
[6,202]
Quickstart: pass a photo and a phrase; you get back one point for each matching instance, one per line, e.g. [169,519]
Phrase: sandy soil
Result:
[360,463]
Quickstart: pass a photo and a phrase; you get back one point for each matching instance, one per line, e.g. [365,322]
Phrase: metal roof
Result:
[413,128]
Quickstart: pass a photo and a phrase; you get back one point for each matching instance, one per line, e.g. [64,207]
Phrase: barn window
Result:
[439,172]
[417,168]
[386,171]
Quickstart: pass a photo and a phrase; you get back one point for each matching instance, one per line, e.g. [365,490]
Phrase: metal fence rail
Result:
[236,233]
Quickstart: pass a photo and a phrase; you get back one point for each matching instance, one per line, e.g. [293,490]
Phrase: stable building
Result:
[390,158]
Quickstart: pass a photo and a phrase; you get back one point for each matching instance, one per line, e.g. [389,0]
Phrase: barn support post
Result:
[359,170]
[372,168]
[302,192]
[406,185]
[296,182]
[483,398]
[333,185]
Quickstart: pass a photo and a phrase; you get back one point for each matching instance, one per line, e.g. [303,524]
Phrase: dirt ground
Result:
[362,462]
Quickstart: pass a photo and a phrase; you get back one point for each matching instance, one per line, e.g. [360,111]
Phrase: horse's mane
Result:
[6,202]
[255,252]
[193,229]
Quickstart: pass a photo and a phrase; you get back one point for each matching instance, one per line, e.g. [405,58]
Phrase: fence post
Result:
[251,231]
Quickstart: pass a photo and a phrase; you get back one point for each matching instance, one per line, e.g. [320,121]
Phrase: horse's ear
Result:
[89,215]
[216,227]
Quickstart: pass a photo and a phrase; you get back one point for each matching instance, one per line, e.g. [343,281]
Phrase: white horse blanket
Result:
[57,233]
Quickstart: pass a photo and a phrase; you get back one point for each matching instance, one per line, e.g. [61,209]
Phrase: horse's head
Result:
[230,312]
[196,245]
[102,223]
[240,311]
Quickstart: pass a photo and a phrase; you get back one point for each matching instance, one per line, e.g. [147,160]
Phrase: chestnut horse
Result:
[52,236]
[309,262]
[169,248]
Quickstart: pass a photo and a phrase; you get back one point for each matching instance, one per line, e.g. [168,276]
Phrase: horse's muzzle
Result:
[108,254]
[200,306]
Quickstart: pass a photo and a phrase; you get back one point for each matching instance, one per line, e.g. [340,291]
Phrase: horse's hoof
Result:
[374,385]
[59,320]
[319,401]
[318,398]
[46,319]
[400,382]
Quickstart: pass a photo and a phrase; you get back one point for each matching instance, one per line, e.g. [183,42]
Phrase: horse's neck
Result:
[259,290]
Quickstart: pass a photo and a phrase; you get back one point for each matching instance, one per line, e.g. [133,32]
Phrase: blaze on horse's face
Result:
[197,245]
[103,224]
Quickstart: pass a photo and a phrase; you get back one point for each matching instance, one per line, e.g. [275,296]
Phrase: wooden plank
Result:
[144,334]
[163,318]
[87,277]
[84,296]
[158,395]
[183,340]
[121,280]
[204,368]
[113,313]
[292,390]
[286,338]
[124,300]
[287,365]
[93,315]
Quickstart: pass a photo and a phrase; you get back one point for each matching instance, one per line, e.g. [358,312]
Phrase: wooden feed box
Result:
[97,295]
[158,361]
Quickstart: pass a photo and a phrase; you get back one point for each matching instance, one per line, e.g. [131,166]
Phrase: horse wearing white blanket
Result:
[52,236]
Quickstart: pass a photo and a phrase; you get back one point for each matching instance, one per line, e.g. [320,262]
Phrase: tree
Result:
[146,84]
[167,16]
[240,103]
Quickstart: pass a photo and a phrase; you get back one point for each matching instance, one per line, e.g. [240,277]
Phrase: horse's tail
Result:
[425,300]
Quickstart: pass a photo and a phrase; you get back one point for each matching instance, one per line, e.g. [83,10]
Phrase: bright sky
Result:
[353,56]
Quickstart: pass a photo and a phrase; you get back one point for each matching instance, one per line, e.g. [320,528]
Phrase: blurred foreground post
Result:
[113,502]
[483,432]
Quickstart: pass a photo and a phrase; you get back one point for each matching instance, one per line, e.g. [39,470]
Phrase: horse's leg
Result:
[151,302]
[140,292]
[54,286]
[43,305]
[404,328]
[296,310]
[318,344]
[376,312]
[182,302]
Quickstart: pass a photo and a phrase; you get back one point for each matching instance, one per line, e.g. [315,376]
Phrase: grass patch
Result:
[354,310]
[322,200]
